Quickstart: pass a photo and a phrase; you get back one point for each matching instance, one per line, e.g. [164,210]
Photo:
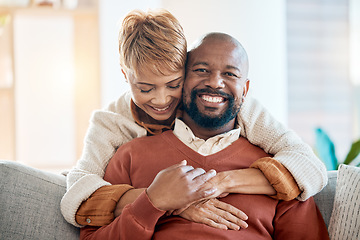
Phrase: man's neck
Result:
[205,133]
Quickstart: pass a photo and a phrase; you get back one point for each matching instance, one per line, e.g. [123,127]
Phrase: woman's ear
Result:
[125,76]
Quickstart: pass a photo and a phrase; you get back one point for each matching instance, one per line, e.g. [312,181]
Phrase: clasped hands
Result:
[192,194]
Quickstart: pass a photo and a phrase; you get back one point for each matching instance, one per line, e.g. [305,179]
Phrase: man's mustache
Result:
[212,91]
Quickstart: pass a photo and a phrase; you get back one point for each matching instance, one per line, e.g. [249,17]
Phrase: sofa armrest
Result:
[325,199]
[30,204]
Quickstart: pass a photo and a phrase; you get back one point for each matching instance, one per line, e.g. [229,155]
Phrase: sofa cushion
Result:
[30,204]
[345,220]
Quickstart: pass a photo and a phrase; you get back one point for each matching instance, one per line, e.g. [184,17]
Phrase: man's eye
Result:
[201,70]
[230,74]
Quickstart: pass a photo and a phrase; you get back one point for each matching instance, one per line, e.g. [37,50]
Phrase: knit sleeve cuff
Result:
[145,213]
[98,209]
[279,177]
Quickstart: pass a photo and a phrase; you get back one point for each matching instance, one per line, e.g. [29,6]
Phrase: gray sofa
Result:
[30,203]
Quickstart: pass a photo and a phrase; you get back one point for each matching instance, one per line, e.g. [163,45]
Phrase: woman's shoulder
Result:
[120,105]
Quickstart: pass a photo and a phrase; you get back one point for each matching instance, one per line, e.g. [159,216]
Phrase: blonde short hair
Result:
[152,40]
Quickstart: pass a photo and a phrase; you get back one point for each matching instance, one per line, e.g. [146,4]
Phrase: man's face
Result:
[216,80]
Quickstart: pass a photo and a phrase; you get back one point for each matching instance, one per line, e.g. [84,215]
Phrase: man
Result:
[215,87]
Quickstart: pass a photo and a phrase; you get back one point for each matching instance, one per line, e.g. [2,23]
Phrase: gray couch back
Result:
[30,203]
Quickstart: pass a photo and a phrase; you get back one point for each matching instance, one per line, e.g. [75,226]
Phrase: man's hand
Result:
[178,186]
[217,214]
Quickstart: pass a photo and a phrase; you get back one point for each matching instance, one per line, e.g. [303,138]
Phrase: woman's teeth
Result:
[161,109]
[212,99]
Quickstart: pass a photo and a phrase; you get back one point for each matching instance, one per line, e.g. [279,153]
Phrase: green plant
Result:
[353,153]
[325,149]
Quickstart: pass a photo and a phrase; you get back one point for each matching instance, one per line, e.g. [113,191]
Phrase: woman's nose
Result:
[161,97]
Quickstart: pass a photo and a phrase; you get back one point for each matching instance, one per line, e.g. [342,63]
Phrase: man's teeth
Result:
[212,99]
[161,109]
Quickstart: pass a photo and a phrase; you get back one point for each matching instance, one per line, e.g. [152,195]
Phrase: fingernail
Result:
[212,172]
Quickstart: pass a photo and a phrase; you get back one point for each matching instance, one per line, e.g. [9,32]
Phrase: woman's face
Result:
[157,95]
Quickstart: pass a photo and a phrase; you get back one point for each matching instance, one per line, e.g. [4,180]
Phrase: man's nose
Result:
[215,81]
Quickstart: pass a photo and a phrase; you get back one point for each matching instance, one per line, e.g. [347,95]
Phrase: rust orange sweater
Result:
[138,162]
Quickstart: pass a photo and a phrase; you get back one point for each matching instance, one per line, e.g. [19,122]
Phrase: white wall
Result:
[258,24]
[45,134]
[354,50]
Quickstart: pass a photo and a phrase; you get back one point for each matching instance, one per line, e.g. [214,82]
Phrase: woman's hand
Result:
[215,213]
[246,181]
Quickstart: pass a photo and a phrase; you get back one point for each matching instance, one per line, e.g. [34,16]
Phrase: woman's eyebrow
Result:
[174,80]
[171,81]
[144,83]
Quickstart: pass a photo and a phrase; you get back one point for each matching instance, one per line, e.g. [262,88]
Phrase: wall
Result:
[56,85]
[320,91]
[44,92]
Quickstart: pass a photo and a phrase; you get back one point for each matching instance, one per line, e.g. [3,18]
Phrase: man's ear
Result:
[125,76]
[246,87]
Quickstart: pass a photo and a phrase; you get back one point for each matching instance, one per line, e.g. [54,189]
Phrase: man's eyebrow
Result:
[233,67]
[200,63]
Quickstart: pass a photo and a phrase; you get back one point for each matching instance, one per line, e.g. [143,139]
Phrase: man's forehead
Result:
[227,59]
[204,63]
[219,44]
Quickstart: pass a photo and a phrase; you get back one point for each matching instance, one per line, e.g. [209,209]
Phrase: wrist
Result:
[156,201]
[127,198]
[231,181]
[249,181]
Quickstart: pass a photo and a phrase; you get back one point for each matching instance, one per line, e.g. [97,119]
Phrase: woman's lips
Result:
[161,109]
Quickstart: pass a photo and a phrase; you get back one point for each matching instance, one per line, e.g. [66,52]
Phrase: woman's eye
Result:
[145,91]
[174,87]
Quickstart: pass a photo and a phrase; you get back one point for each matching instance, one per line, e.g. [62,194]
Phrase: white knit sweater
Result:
[115,126]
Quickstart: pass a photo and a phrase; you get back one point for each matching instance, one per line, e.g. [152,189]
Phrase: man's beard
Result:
[211,122]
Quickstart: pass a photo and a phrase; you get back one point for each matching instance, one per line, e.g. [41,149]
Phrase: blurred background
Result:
[59,62]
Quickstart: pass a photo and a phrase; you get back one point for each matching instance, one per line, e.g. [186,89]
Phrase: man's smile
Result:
[212,99]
